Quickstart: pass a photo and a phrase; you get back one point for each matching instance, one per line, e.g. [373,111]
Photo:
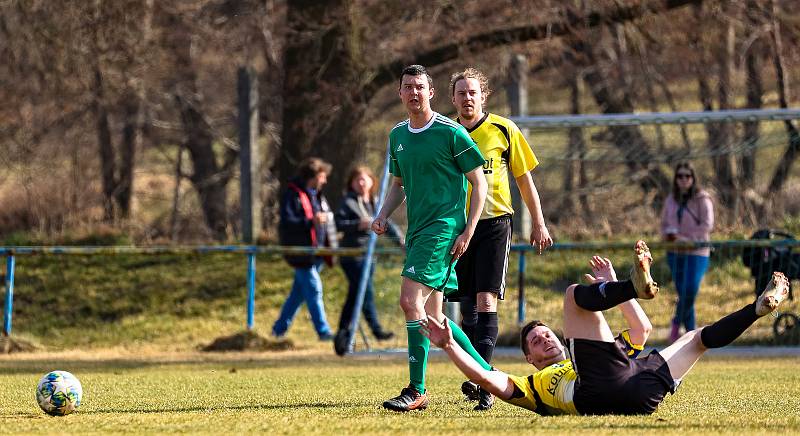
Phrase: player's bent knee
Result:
[569,296]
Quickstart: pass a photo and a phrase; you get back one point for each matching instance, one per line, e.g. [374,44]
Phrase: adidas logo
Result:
[400,147]
[412,359]
[411,270]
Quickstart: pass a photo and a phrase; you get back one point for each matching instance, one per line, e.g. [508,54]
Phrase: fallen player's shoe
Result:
[777,291]
[646,287]
[486,400]
[470,391]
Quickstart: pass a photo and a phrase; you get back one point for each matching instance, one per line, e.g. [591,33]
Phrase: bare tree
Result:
[790,154]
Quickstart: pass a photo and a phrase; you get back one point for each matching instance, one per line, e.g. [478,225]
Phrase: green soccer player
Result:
[603,374]
[432,158]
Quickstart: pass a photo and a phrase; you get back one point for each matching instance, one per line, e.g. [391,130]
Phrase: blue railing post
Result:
[366,269]
[521,297]
[9,295]
[251,289]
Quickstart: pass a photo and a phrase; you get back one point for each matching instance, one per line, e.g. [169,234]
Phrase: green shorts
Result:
[428,262]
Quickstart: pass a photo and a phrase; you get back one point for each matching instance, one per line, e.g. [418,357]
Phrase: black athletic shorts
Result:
[484,265]
[610,382]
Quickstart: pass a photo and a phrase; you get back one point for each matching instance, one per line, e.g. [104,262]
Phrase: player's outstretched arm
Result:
[496,382]
[540,236]
[394,198]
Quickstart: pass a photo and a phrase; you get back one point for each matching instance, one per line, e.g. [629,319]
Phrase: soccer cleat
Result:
[646,287]
[341,342]
[470,391]
[486,400]
[408,400]
[777,291]
[383,335]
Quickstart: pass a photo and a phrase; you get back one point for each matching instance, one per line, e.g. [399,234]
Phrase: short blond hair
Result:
[470,73]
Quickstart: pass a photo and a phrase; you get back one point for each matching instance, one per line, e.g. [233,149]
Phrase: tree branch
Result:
[387,73]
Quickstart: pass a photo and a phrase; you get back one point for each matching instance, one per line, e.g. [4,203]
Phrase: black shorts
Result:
[610,382]
[484,265]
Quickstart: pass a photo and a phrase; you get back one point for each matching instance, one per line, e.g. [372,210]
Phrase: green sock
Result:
[418,346]
[462,340]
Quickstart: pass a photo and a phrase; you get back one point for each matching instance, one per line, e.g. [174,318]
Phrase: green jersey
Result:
[432,161]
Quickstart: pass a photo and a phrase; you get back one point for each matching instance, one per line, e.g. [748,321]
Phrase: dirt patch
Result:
[10,345]
[248,341]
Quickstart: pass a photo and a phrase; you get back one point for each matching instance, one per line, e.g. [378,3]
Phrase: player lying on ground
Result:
[603,375]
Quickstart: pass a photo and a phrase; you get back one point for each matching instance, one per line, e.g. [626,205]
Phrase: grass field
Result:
[314,393]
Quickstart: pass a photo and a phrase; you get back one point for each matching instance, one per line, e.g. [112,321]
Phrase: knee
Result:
[410,305]
[487,302]
[695,338]
[569,296]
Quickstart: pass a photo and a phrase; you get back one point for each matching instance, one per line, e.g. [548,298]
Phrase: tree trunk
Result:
[790,154]
[207,177]
[130,135]
[719,144]
[574,170]
[106,147]
[320,116]
[755,95]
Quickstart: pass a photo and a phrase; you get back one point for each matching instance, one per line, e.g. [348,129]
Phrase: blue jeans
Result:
[687,273]
[307,287]
[353,266]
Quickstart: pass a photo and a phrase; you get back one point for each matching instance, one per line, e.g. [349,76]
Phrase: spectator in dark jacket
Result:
[354,218]
[306,221]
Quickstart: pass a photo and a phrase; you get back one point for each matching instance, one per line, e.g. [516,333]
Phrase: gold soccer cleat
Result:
[777,291]
[646,287]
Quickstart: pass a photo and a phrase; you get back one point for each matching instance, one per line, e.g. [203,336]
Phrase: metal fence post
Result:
[9,295]
[521,297]
[251,289]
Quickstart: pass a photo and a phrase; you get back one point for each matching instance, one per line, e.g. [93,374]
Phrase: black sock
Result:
[605,295]
[469,318]
[486,334]
[727,329]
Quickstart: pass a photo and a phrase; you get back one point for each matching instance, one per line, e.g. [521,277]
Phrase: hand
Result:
[320,218]
[440,335]
[602,269]
[380,225]
[460,246]
[540,238]
[365,223]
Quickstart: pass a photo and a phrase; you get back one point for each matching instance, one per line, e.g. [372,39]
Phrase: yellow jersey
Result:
[548,391]
[551,390]
[503,147]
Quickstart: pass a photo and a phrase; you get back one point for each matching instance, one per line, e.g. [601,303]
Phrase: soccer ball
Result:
[59,393]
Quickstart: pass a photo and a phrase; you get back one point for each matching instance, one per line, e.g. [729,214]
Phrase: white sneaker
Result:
[646,287]
[777,291]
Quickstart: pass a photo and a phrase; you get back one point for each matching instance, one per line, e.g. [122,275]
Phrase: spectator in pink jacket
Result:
[688,215]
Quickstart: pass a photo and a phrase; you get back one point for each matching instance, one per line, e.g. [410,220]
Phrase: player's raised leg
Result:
[585,323]
[605,294]
[684,353]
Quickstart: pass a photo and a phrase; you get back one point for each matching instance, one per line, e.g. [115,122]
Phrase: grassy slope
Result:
[291,394]
[175,303]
